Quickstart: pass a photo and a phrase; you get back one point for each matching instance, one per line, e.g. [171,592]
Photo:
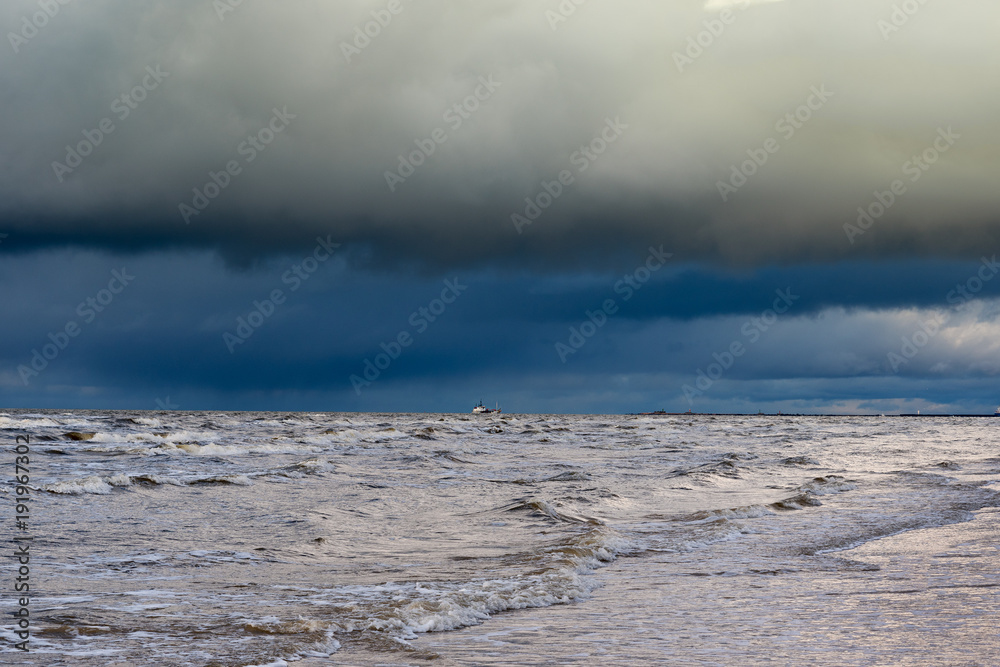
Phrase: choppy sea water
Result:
[214,538]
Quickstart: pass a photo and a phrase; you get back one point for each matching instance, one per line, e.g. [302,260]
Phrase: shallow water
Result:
[255,538]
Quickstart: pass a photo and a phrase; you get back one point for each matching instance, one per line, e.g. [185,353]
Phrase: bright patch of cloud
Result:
[718,5]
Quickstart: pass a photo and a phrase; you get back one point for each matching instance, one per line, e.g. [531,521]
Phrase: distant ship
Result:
[483,410]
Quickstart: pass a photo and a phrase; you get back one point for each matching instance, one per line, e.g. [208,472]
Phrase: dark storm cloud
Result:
[163,335]
[543,93]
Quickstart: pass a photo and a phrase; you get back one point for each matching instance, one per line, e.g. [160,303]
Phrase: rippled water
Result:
[256,538]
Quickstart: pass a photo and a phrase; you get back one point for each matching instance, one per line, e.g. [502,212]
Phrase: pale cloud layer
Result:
[696,95]
[720,5]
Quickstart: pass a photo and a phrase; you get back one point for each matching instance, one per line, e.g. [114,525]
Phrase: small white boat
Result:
[483,410]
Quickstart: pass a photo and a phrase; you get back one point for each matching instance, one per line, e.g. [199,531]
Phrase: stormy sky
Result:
[560,206]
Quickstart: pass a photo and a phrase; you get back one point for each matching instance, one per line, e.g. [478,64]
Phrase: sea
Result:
[254,538]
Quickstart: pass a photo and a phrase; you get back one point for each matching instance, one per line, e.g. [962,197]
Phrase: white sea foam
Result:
[826,485]
[26,423]
[92,484]
[312,466]
[99,485]
[147,421]
[239,480]
[404,610]
[747,512]
[214,449]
